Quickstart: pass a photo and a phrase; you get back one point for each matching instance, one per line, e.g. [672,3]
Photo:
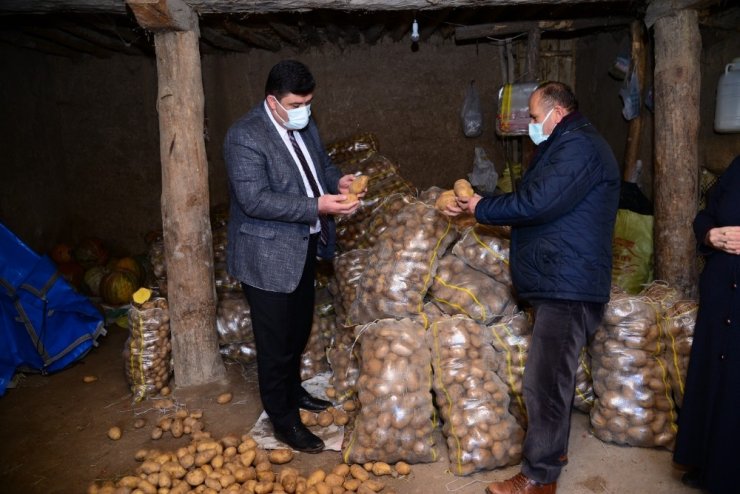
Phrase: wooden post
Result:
[635,125]
[677,85]
[185,198]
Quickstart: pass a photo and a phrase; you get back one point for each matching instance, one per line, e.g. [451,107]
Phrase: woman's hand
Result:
[726,238]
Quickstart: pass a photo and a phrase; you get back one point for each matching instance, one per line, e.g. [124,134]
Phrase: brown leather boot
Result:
[520,484]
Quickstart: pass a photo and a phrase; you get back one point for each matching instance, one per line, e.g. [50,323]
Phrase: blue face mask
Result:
[535,130]
[297,117]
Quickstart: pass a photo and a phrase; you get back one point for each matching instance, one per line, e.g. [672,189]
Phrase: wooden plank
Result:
[268,6]
[261,38]
[635,125]
[164,15]
[677,84]
[67,40]
[507,28]
[186,223]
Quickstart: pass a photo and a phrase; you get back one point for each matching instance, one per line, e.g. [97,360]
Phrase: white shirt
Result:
[286,139]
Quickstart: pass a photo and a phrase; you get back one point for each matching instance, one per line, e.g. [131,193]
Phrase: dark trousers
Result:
[561,329]
[282,324]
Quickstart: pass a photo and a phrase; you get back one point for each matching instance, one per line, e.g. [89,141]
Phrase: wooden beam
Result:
[164,15]
[67,40]
[259,38]
[532,67]
[96,37]
[220,40]
[186,223]
[677,84]
[17,38]
[507,28]
[268,6]
[635,125]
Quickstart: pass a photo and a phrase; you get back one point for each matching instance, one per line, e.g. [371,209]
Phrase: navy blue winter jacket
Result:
[562,216]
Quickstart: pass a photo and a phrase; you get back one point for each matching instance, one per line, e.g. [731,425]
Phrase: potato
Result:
[358,472]
[381,468]
[280,456]
[316,476]
[463,189]
[359,184]
[224,398]
[325,419]
[195,477]
[114,433]
[402,468]
[445,199]
[371,484]
[89,379]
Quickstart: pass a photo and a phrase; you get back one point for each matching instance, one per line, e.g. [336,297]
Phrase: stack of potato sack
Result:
[147,353]
[633,403]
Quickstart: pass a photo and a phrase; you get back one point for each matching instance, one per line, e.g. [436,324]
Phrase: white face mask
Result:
[297,117]
[535,130]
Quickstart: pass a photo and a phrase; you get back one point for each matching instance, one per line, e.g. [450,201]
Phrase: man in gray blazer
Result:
[283,190]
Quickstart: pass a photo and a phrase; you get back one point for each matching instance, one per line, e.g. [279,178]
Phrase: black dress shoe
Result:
[299,438]
[313,404]
[693,478]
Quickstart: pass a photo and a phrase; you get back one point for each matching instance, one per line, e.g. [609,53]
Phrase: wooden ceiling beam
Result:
[96,37]
[164,15]
[256,37]
[218,39]
[507,28]
[21,40]
[266,6]
[67,40]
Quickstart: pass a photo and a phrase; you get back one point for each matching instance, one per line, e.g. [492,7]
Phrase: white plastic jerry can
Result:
[727,113]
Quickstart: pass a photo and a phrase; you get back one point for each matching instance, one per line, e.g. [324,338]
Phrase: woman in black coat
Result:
[708,438]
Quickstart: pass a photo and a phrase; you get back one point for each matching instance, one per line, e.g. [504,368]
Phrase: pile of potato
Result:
[510,338]
[401,266]
[395,418]
[678,331]
[148,349]
[382,216]
[486,248]
[460,289]
[472,400]
[224,281]
[237,465]
[633,404]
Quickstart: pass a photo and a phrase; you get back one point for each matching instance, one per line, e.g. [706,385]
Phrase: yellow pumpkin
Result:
[117,286]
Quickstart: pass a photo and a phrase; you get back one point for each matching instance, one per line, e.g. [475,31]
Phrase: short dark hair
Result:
[557,93]
[289,76]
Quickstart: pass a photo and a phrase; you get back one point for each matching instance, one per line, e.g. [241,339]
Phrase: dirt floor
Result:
[53,437]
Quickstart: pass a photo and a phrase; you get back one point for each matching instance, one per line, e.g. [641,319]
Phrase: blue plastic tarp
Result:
[45,325]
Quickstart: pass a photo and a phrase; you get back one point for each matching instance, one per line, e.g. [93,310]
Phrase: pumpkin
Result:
[93,277]
[61,252]
[72,272]
[117,286]
[129,264]
[90,252]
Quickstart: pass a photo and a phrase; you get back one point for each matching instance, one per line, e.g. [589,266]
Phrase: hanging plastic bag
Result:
[472,113]
[630,94]
[484,177]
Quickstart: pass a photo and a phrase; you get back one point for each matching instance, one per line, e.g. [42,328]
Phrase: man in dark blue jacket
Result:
[562,215]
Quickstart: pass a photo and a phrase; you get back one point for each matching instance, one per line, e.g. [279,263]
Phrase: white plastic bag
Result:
[472,113]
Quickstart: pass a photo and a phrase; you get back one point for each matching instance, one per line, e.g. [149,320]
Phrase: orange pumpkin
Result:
[61,252]
[117,287]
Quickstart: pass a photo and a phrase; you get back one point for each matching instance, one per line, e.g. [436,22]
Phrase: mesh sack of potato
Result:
[233,321]
[633,403]
[243,353]
[155,253]
[348,268]
[678,332]
[584,396]
[353,149]
[661,294]
[224,281]
[382,216]
[148,349]
[472,400]
[394,389]
[313,358]
[459,289]
[486,249]
[401,266]
[510,338]
[344,364]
